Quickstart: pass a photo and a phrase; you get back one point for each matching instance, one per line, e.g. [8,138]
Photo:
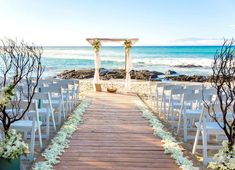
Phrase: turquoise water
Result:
[158,58]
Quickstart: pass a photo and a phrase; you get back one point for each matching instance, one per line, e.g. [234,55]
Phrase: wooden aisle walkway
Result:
[114,135]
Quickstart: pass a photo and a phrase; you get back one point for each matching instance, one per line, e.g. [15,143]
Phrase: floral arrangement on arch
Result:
[128,44]
[96,45]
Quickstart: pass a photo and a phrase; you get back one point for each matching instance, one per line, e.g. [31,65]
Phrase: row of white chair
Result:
[186,101]
[53,100]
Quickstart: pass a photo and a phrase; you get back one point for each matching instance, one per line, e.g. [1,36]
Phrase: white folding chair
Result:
[151,95]
[175,102]
[158,96]
[69,92]
[57,101]
[45,110]
[208,127]
[190,110]
[77,91]
[68,95]
[29,124]
[166,98]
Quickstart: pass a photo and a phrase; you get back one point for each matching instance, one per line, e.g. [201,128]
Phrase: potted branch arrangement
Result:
[223,80]
[20,66]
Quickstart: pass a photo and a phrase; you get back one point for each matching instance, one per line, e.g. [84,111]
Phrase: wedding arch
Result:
[127,42]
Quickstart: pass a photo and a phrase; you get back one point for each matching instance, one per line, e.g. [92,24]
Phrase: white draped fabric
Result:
[127,60]
[128,69]
[97,67]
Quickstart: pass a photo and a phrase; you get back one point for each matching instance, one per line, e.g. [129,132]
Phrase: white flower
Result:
[12,146]
[42,166]
[170,145]
[61,141]
[6,94]
[224,159]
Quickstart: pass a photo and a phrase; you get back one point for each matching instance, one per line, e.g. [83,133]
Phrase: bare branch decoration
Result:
[20,65]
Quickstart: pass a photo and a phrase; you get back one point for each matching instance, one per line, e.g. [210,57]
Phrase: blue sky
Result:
[154,22]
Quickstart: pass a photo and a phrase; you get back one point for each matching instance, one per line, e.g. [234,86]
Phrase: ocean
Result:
[158,58]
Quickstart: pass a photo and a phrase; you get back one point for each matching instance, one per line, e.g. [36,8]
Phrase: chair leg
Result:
[32,142]
[47,126]
[60,113]
[196,141]
[164,110]
[161,106]
[172,118]
[53,119]
[204,141]
[185,129]
[169,109]
[40,136]
[67,108]
[157,107]
[25,135]
[179,122]
[154,102]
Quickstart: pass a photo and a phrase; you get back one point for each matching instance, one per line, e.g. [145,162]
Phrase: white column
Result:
[128,69]
[97,67]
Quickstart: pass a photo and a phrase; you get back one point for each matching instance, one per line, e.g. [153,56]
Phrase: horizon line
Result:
[133,46]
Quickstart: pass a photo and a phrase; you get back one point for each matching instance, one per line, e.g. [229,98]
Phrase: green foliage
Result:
[96,45]
[12,146]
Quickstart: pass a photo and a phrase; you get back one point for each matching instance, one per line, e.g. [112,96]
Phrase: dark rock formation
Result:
[194,78]
[170,72]
[188,66]
[106,74]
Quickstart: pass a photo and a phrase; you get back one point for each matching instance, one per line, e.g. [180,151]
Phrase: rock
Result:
[106,74]
[170,72]
[103,71]
[188,66]
[194,78]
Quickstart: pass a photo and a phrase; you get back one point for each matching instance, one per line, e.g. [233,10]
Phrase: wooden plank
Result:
[108,154]
[90,167]
[114,135]
[154,159]
[114,164]
[137,148]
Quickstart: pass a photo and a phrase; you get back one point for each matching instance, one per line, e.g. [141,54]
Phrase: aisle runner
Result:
[114,135]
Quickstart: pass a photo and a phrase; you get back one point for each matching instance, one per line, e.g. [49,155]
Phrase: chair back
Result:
[193,87]
[51,89]
[177,94]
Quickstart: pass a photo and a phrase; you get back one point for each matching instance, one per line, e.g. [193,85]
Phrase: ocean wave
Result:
[174,61]
[139,59]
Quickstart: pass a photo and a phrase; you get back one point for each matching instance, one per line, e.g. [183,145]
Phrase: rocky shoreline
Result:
[193,78]
[107,74]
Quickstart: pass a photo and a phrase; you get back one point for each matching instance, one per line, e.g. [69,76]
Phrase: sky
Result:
[154,22]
